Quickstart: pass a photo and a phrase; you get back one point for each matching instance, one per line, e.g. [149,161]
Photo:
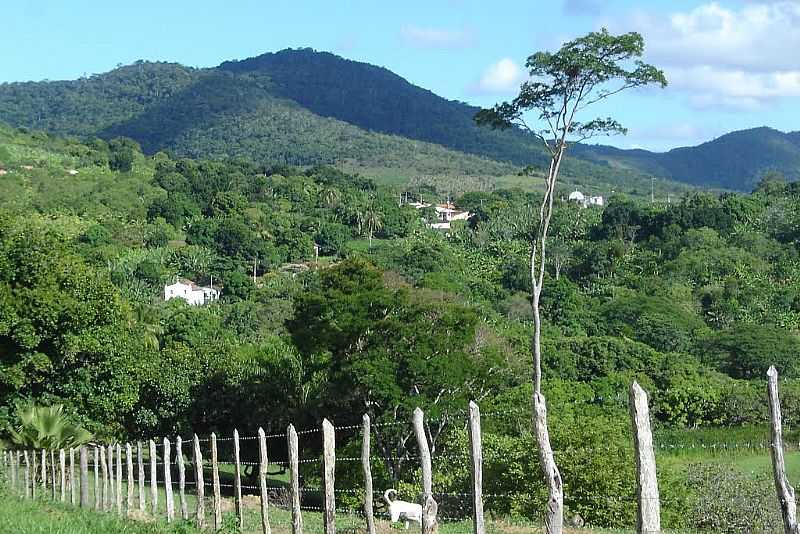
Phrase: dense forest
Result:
[694,299]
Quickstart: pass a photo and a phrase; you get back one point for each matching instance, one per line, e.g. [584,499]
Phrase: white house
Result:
[585,201]
[445,213]
[191,292]
[577,196]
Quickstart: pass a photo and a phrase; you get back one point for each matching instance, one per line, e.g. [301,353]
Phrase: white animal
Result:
[402,510]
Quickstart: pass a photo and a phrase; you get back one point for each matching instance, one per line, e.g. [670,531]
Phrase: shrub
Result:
[730,501]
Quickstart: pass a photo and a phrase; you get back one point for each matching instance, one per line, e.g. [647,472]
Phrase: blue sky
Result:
[732,64]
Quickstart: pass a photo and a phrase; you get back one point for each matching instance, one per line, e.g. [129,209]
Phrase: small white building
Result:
[191,292]
[585,201]
[577,196]
[445,213]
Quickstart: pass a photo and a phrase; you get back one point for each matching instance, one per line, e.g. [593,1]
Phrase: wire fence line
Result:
[151,476]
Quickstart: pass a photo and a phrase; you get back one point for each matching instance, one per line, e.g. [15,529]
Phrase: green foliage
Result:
[728,501]
[46,427]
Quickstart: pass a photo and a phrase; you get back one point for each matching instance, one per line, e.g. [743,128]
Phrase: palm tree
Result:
[374,221]
[149,318]
[331,197]
[46,427]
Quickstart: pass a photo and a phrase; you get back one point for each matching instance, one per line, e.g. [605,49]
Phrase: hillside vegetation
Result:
[693,299]
[296,107]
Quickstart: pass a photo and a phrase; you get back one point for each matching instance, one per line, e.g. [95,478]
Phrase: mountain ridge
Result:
[300,106]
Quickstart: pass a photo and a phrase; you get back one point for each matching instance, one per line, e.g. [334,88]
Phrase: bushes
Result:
[728,501]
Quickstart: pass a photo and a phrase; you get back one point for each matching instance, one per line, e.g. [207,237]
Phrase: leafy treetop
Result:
[583,72]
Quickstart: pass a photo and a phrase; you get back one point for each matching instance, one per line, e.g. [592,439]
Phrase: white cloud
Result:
[724,57]
[428,37]
[502,77]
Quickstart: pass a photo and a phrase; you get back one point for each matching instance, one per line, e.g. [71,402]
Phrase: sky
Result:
[731,64]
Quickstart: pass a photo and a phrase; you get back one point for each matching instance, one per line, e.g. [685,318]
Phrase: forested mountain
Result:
[296,107]
[733,161]
[303,107]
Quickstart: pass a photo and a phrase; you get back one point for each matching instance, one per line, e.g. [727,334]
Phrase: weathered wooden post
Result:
[53,475]
[104,474]
[140,478]
[44,473]
[27,474]
[97,486]
[784,490]
[648,518]
[168,481]
[72,483]
[181,478]
[153,478]
[14,470]
[429,506]
[119,479]
[365,464]
[294,479]
[328,477]
[62,464]
[476,455]
[130,477]
[33,474]
[200,489]
[263,464]
[83,458]
[237,481]
[217,500]
[111,495]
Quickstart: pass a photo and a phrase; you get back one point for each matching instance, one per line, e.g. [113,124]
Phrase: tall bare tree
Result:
[562,85]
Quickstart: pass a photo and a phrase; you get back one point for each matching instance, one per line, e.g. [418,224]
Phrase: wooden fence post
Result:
[33,473]
[168,481]
[365,464]
[104,474]
[140,478]
[784,490]
[200,489]
[648,519]
[181,478]
[44,473]
[62,464]
[97,486]
[72,484]
[217,500]
[129,469]
[14,470]
[83,458]
[53,475]
[429,506]
[263,464]
[111,496]
[476,454]
[328,477]
[119,479]
[153,478]
[294,480]
[237,481]
[27,474]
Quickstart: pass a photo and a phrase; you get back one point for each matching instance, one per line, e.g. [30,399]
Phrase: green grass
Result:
[20,516]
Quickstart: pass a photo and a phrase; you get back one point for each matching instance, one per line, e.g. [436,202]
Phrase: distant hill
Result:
[304,107]
[733,161]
